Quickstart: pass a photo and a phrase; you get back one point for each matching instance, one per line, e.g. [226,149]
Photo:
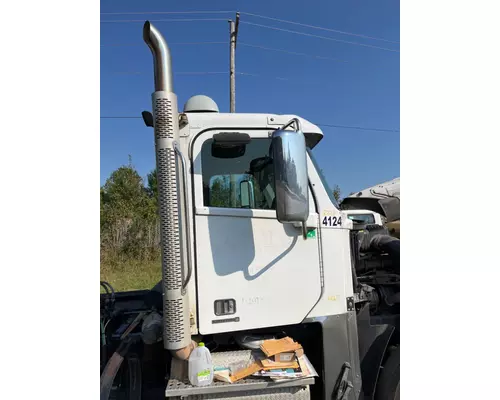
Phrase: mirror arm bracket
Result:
[304,230]
[293,121]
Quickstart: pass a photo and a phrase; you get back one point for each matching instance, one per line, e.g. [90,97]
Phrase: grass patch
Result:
[131,275]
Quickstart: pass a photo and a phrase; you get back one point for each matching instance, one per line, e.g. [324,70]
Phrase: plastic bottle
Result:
[200,368]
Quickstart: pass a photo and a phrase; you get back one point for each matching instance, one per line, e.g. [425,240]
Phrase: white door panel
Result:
[270,271]
[245,255]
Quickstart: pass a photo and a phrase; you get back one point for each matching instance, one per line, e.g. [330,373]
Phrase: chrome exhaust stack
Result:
[161,58]
[176,316]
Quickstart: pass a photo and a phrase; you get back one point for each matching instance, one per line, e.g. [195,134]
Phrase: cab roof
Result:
[204,120]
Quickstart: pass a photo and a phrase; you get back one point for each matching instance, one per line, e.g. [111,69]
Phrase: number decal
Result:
[332,221]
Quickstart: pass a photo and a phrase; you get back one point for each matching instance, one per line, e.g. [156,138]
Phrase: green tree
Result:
[337,193]
[152,186]
[220,192]
[128,216]
[124,191]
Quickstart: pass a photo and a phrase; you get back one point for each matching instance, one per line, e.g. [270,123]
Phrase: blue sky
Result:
[361,90]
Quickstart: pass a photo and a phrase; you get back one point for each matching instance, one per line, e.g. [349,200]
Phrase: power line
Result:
[261,76]
[359,128]
[175,73]
[325,125]
[319,27]
[201,73]
[252,15]
[292,52]
[225,43]
[319,37]
[121,117]
[163,20]
[241,43]
[170,44]
[166,12]
[205,73]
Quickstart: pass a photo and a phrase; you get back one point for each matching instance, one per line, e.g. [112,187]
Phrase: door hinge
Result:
[350,303]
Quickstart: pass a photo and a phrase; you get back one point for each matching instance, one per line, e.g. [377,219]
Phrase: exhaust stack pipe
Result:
[161,58]
[176,326]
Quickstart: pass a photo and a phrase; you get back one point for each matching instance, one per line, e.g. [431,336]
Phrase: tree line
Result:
[129,217]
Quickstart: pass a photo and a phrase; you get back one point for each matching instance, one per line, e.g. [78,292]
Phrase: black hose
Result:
[109,374]
[106,285]
[387,244]
[103,344]
[105,288]
[113,365]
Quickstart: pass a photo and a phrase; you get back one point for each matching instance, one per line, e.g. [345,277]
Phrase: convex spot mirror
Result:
[289,154]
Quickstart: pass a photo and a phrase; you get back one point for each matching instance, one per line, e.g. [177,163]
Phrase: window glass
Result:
[245,181]
[322,178]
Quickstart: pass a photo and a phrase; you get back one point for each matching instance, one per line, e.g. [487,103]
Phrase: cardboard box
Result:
[284,357]
[270,365]
[250,370]
[275,346]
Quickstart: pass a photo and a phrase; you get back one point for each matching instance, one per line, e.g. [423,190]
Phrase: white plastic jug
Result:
[200,368]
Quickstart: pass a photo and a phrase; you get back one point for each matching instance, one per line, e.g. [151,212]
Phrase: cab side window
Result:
[241,179]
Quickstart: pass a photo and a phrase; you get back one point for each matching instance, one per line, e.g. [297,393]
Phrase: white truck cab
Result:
[241,250]
[253,243]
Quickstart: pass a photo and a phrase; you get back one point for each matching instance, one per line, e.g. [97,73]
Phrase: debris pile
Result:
[278,359]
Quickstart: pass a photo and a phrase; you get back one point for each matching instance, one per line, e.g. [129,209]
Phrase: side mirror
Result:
[288,150]
[247,194]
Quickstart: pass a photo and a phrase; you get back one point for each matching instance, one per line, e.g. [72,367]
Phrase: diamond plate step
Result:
[251,388]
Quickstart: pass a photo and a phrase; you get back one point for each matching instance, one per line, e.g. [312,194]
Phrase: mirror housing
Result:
[148,119]
[289,154]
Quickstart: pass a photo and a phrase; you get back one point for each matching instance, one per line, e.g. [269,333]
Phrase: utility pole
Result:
[233,36]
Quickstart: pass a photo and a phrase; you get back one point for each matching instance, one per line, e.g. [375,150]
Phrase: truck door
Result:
[251,270]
